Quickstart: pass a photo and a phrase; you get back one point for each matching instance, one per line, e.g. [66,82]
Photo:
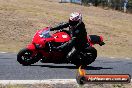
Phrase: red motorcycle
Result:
[42,45]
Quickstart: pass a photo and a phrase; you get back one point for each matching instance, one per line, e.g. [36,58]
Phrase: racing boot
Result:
[71,54]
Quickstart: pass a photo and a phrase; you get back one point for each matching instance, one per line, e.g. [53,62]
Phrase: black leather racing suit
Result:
[78,37]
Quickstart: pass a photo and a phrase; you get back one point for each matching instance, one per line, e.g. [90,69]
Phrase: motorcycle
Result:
[41,48]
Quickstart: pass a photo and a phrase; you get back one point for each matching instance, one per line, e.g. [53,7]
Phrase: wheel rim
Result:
[26,56]
[88,55]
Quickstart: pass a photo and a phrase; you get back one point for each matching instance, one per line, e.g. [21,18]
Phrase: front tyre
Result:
[27,57]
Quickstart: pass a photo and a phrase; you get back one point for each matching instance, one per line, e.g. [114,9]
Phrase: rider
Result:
[77,32]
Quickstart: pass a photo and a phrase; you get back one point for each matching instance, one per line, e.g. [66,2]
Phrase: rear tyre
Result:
[26,57]
[90,55]
[87,56]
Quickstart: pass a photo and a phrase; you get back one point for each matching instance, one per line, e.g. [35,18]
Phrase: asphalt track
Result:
[10,69]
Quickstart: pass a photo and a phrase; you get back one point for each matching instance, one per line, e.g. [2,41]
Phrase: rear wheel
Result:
[27,57]
[86,57]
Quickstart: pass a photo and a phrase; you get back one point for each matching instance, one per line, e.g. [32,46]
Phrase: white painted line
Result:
[3,52]
[48,81]
[128,58]
[112,57]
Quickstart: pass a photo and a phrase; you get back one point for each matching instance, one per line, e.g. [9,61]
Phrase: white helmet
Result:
[75,19]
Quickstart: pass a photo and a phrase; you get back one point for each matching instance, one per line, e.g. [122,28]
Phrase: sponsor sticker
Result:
[64,36]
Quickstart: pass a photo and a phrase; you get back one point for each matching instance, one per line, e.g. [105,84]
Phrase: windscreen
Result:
[45,34]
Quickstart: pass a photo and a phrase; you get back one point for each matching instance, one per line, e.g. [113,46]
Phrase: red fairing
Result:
[101,38]
[31,47]
[37,39]
[40,40]
[61,37]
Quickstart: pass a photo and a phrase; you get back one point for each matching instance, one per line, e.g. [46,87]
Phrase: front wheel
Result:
[27,57]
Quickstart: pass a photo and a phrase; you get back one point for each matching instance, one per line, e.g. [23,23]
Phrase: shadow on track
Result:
[74,67]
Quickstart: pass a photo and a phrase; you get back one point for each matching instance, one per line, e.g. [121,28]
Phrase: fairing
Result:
[61,37]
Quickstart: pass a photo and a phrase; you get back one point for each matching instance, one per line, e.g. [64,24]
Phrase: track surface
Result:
[10,69]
